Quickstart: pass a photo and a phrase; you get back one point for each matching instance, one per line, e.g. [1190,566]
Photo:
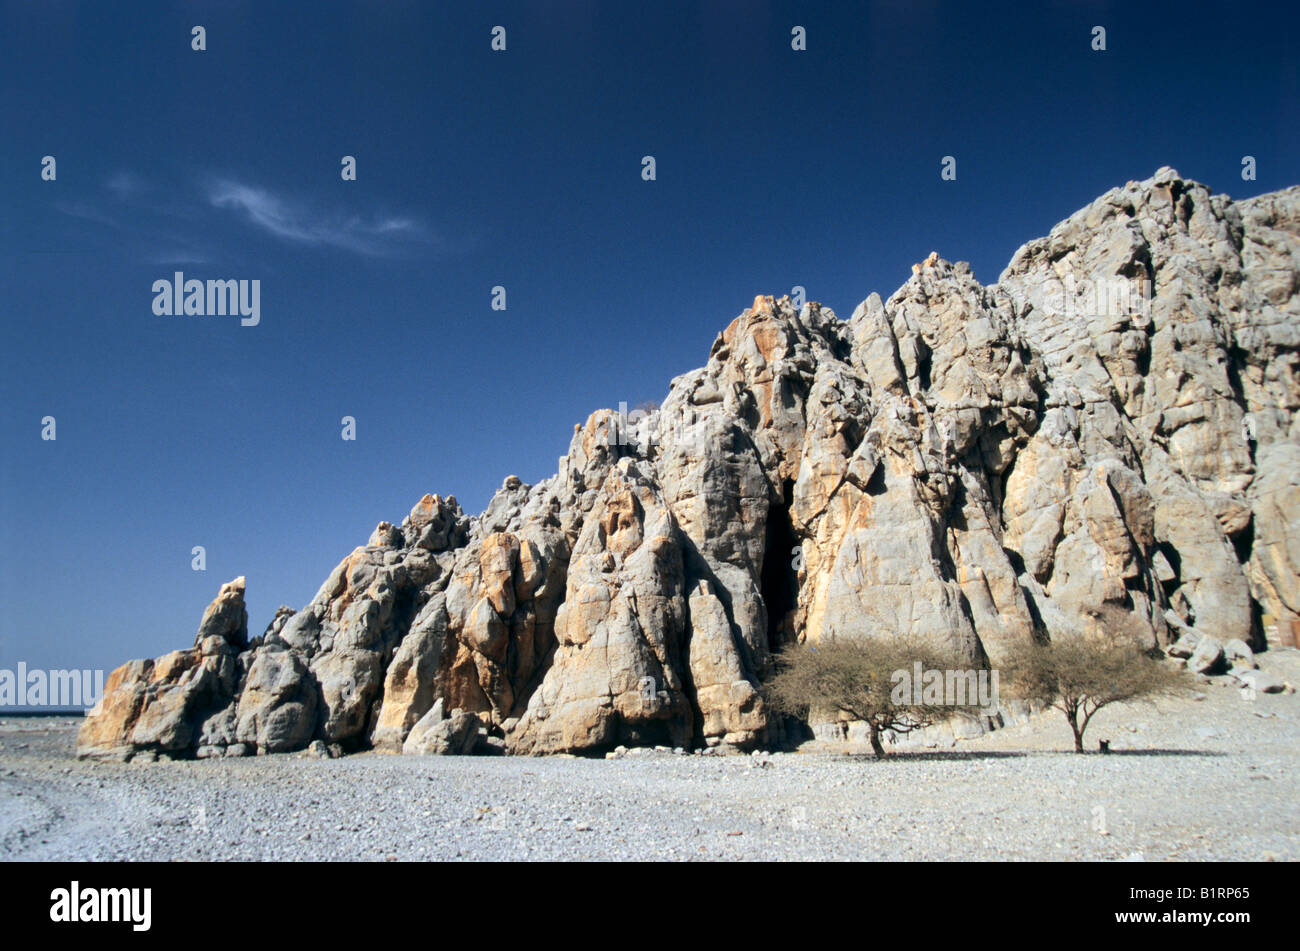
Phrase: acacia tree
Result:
[859,678]
[1081,675]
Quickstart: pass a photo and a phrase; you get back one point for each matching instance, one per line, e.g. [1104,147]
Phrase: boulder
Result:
[226,617]
[1237,654]
[1260,681]
[163,705]
[434,735]
[1207,658]
[276,712]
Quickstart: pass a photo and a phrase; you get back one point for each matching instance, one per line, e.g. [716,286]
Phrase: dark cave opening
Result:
[1244,542]
[779,581]
[923,366]
[643,733]
[876,484]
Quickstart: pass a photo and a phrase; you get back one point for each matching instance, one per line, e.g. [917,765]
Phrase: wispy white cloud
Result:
[142,219]
[86,211]
[166,224]
[301,225]
[179,255]
[125,185]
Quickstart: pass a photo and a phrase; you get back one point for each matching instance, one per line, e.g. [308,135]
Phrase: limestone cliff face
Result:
[1107,435]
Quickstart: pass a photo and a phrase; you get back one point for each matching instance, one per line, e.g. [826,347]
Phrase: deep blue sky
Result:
[476,168]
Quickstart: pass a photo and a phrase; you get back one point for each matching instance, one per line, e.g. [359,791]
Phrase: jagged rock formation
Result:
[1107,436]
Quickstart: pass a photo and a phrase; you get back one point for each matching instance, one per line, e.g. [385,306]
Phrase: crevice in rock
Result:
[876,484]
[1243,543]
[1135,584]
[1258,640]
[1175,564]
[779,581]
[689,689]
[1016,561]
[1237,359]
[998,493]
[406,605]
[1144,359]
[942,545]
[1040,633]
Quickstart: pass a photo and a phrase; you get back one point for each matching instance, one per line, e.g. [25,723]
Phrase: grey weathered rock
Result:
[1260,681]
[166,705]
[318,749]
[616,675]
[1207,658]
[729,700]
[434,735]
[276,712]
[409,682]
[226,617]
[1237,653]
[272,633]
[1105,439]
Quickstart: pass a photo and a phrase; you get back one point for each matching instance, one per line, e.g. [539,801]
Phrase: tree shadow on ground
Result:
[1157,752]
[903,756]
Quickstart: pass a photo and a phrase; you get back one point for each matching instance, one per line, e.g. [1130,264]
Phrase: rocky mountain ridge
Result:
[1107,437]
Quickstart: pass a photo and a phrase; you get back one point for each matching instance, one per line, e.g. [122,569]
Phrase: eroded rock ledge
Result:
[974,465]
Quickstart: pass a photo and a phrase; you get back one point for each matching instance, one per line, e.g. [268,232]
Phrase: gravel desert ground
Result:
[1206,778]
